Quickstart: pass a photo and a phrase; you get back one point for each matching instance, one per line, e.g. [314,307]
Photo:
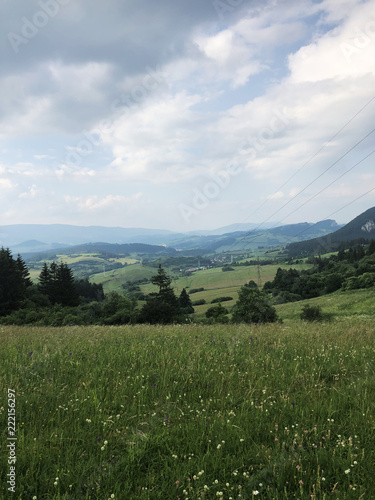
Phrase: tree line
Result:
[347,270]
[58,300]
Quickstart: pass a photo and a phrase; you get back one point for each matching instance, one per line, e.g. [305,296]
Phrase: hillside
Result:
[360,228]
[29,238]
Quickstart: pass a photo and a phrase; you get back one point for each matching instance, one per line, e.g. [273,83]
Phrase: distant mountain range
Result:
[37,238]
[360,228]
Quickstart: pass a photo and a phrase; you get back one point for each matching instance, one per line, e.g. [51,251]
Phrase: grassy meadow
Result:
[281,411]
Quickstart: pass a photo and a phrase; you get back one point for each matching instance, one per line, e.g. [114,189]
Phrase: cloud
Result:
[109,101]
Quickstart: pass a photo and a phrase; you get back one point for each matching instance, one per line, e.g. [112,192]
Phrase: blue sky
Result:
[184,115]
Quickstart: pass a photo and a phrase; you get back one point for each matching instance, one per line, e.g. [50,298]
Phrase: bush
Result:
[314,313]
[253,306]
[196,290]
[227,268]
[199,302]
[221,299]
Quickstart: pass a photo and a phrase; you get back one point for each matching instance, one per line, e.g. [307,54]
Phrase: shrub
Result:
[253,306]
[196,290]
[199,302]
[221,299]
[314,313]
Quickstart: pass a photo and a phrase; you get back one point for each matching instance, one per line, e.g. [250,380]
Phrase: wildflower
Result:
[255,492]
[34,498]
[55,483]
[216,481]
[113,495]
[347,471]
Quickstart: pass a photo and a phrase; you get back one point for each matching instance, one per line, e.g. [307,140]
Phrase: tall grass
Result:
[188,412]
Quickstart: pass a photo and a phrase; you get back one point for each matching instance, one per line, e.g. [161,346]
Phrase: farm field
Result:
[216,282]
[276,411]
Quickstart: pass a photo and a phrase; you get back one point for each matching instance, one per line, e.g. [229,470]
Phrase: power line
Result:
[329,185]
[316,154]
[310,184]
[339,210]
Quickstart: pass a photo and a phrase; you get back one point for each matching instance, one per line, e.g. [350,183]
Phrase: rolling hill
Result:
[361,228]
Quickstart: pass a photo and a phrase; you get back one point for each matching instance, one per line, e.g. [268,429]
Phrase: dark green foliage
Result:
[185,303]
[221,299]
[162,307]
[371,248]
[89,291]
[311,313]
[253,306]
[218,313]
[199,302]
[284,297]
[366,280]
[14,281]
[117,310]
[57,282]
[196,290]
[227,268]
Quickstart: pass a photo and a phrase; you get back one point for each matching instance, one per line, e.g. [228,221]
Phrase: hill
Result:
[28,238]
[360,229]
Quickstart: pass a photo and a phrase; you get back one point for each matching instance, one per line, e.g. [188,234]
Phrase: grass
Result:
[341,304]
[188,412]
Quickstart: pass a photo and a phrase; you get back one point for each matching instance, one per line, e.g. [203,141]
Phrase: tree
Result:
[57,282]
[14,280]
[252,306]
[162,306]
[185,303]
[218,313]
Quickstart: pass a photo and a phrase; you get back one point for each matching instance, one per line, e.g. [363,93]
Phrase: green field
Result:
[281,411]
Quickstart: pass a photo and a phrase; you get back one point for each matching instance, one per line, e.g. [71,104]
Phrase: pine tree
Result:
[185,302]
[57,282]
[163,306]
[24,271]
[65,289]
[13,282]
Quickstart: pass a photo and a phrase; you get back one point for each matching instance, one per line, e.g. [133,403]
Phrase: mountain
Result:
[35,246]
[232,228]
[249,240]
[361,228]
[29,238]
[25,234]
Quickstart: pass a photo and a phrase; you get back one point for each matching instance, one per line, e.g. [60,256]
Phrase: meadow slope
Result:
[277,411]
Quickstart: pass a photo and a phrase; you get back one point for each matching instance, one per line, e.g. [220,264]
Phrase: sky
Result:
[188,114]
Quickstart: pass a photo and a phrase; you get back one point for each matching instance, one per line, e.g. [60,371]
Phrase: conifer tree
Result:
[162,306]
[185,302]
[57,282]
[14,279]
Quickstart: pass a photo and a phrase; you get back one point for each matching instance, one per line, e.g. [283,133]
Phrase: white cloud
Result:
[6,184]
